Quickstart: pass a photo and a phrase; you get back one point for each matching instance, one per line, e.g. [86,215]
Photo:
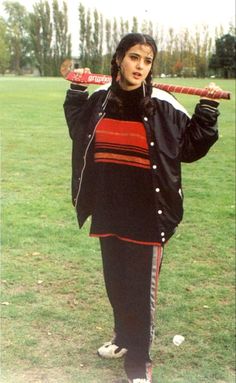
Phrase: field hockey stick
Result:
[101,79]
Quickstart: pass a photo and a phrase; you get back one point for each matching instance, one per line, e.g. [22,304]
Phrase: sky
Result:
[169,12]
[166,13]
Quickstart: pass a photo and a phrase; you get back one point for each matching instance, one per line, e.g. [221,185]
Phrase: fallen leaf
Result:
[190,289]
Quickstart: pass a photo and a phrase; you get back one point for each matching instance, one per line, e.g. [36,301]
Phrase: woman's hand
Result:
[211,88]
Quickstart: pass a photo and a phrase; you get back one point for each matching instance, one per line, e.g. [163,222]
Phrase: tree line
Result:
[41,39]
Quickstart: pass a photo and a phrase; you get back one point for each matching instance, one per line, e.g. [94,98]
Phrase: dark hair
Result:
[127,42]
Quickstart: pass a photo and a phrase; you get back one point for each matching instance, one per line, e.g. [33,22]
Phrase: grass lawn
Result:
[54,309]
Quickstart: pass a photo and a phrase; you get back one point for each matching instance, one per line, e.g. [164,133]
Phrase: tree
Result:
[144,26]
[88,40]
[61,39]
[186,56]
[223,61]
[135,25]
[50,40]
[4,47]
[158,64]
[96,46]
[101,44]
[170,56]
[41,37]
[150,28]
[126,27]
[202,50]
[115,35]
[82,34]
[16,33]
[122,27]
[108,54]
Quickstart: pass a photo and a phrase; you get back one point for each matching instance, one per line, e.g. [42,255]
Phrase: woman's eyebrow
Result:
[138,55]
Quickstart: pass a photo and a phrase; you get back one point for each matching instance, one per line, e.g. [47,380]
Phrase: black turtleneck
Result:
[125,104]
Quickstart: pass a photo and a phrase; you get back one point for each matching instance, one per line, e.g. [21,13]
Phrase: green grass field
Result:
[54,309]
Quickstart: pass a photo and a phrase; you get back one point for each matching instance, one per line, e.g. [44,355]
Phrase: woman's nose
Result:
[140,64]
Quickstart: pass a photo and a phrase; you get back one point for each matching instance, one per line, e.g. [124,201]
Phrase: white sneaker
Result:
[111,351]
[139,381]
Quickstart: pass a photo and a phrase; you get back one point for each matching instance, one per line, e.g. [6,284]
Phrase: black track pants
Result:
[131,278]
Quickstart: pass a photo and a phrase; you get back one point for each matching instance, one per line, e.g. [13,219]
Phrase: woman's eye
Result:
[135,58]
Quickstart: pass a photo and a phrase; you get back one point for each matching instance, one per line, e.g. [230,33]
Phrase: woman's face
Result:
[135,66]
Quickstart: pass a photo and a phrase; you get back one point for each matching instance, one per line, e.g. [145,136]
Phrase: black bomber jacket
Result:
[173,137]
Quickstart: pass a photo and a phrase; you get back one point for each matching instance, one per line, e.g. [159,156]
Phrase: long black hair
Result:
[127,42]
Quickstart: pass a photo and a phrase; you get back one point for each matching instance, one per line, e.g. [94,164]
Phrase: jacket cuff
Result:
[77,87]
[209,103]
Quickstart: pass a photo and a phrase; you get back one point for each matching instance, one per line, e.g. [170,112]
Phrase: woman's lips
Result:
[137,75]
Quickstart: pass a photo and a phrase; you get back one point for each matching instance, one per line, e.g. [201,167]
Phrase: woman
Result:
[128,144]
